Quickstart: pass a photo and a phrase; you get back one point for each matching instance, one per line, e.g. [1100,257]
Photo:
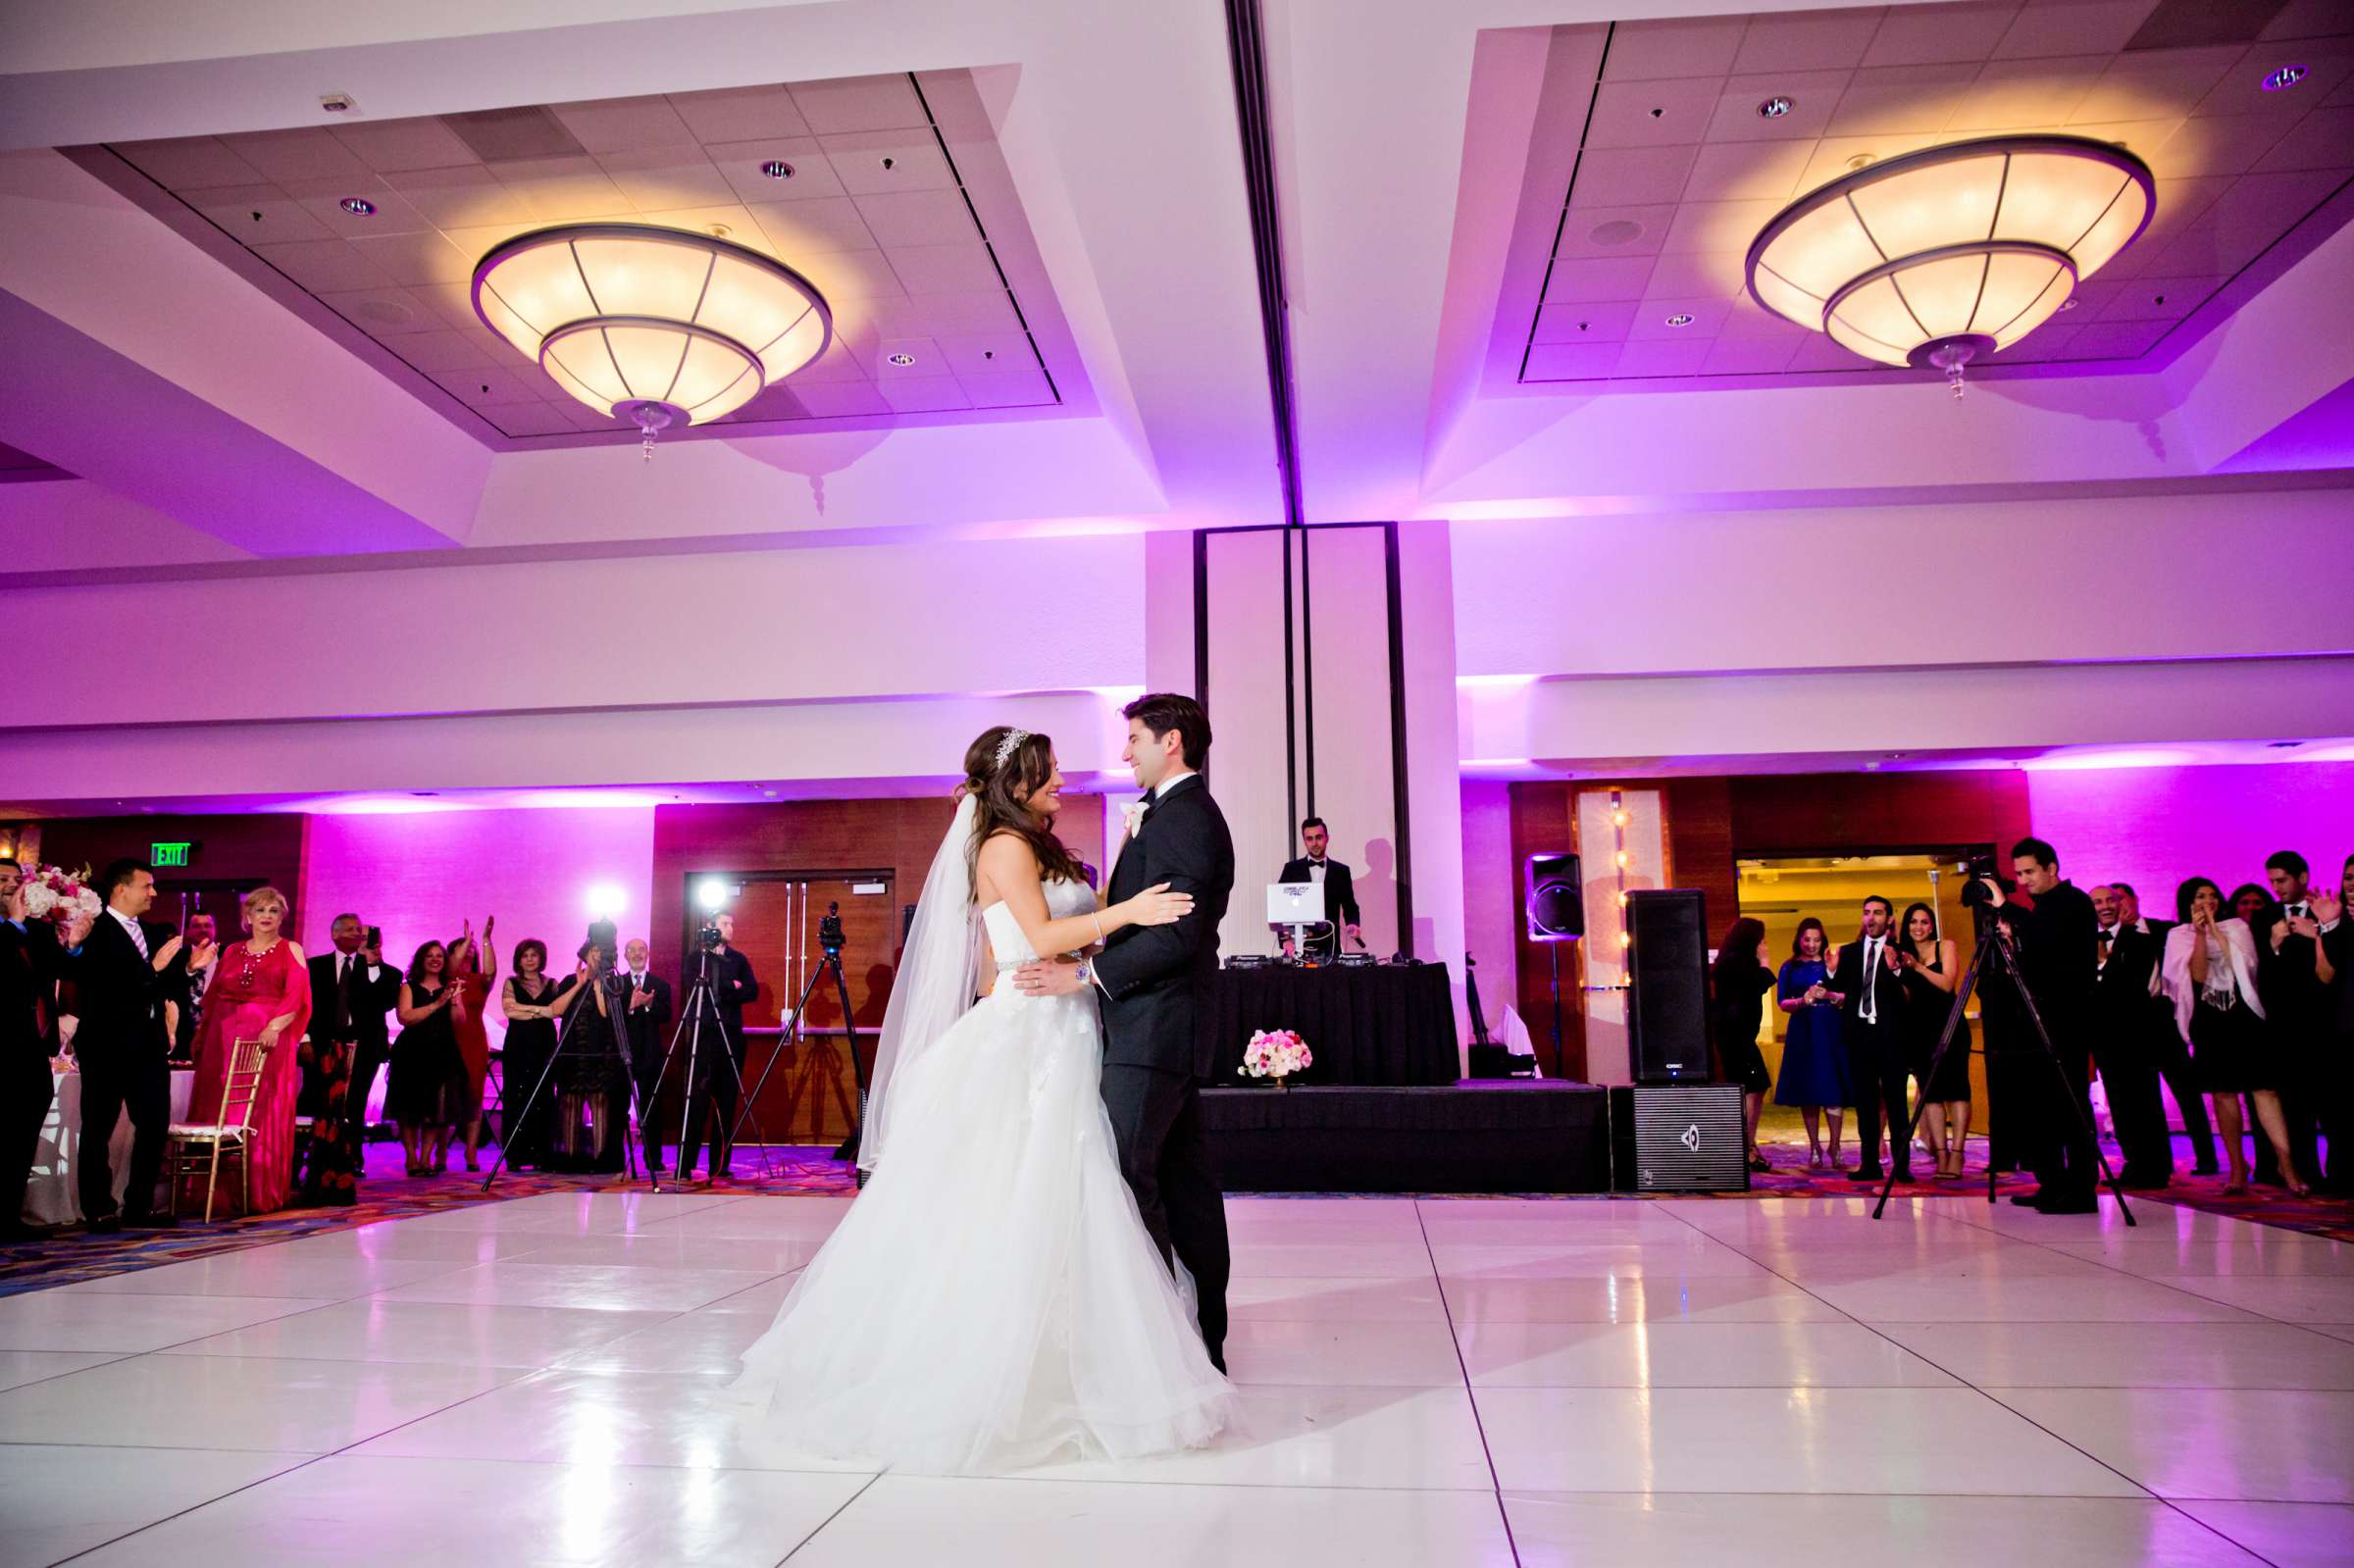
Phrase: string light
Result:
[1626,937]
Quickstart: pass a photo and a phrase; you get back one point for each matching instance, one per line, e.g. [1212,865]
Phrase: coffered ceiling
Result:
[1665,146]
[886,191]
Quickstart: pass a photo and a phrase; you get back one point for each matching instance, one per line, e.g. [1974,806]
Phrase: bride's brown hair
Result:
[998,809]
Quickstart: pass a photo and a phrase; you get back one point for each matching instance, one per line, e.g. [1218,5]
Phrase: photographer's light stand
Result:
[702,1006]
[830,941]
[636,1113]
[1991,940]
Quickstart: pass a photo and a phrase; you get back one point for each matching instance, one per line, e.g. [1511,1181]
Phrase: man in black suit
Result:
[732,986]
[2056,943]
[646,1008]
[189,1006]
[2297,1002]
[1156,1052]
[123,970]
[30,962]
[1872,998]
[352,988]
[1340,893]
[2121,1038]
[2330,914]
[2169,1051]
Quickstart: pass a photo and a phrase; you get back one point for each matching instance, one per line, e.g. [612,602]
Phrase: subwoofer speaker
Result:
[1681,1137]
[1557,898]
[1667,987]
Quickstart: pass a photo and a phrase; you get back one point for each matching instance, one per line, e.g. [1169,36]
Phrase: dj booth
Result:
[1388,1024]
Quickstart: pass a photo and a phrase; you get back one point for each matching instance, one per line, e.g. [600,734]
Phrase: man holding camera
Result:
[733,984]
[2056,941]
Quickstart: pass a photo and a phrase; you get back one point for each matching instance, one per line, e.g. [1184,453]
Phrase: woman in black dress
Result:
[2209,973]
[1737,987]
[1931,966]
[427,1091]
[528,1000]
[592,1108]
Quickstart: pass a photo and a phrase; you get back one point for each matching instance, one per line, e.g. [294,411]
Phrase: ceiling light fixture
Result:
[357,206]
[1944,256]
[777,169]
[2286,77]
[1774,108]
[1679,319]
[659,326]
[902,359]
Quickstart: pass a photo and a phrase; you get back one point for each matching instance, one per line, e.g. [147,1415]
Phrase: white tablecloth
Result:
[54,1197]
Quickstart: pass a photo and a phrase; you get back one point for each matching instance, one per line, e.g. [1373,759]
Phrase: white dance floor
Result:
[1453,1383]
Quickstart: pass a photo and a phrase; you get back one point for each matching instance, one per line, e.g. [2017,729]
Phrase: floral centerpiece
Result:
[57,895]
[1275,1053]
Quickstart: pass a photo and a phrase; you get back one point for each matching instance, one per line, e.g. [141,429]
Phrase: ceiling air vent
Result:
[504,135]
[2188,23]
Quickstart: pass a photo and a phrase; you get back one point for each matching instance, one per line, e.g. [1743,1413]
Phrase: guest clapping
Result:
[2210,974]
[1931,966]
[427,1092]
[1814,1075]
[123,971]
[528,1002]
[472,969]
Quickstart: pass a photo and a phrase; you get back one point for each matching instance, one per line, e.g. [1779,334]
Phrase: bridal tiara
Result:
[1006,748]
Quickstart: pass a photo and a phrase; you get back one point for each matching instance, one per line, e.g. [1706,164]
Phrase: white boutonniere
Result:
[1133,814]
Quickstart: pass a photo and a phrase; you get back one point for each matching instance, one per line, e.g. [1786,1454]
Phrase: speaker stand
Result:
[1555,949]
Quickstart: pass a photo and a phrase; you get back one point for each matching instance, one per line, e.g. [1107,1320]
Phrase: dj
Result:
[1340,895]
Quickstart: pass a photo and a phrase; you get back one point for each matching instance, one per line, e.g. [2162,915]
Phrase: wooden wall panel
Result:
[264,846]
[1700,846]
[1541,825]
[1858,812]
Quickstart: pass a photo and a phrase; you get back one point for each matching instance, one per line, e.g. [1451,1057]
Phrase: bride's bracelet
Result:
[1099,929]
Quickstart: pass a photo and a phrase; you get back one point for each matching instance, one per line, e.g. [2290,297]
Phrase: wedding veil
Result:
[939,971]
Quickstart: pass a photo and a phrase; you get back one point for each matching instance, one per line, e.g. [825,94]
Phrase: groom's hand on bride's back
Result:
[1058,976]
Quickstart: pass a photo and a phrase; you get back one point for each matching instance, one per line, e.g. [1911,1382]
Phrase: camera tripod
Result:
[829,943]
[700,1007]
[583,1006]
[1991,940]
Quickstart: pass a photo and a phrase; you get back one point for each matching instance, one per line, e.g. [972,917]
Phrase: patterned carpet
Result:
[387,1194]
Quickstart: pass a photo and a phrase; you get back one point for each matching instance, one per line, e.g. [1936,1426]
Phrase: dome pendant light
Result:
[1945,256]
[659,326]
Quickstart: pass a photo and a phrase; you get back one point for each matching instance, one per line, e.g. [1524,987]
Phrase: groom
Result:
[1153,978]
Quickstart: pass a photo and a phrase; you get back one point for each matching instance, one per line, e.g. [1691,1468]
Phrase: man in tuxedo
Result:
[30,962]
[646,1008]
[1871,988]
[2121,1038]
[1340,893]
[2330,914]
[2296,1002]
[2056,941]
[202,935]
[352,988]
[732,986]
[1154,980]
[123,970]
[2169,1053]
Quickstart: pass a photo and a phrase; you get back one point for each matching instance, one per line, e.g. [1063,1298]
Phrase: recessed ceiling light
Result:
[2070,303]
[777,169]
[1679,319]
[1774,108]
[902,359]
[357,206]
[1616,232]
[2286,77]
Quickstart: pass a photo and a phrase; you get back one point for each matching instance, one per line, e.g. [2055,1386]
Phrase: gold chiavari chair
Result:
[197,1148]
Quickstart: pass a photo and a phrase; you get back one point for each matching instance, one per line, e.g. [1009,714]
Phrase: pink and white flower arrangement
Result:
[55,894]
[1275,1053]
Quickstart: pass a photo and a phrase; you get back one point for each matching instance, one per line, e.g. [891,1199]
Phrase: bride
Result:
[991,1300]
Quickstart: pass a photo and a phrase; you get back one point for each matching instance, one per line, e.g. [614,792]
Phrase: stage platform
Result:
[1473,1135]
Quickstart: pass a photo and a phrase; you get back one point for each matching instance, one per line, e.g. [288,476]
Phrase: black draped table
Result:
[1389,1024]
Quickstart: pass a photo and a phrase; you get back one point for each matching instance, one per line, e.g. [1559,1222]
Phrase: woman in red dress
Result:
[474,969]
[261,991]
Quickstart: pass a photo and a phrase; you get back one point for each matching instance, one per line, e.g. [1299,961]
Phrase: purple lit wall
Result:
[420,874]
[2153,827]
[1488,906]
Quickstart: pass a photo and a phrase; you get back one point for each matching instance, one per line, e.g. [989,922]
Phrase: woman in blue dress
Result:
[1814,1076]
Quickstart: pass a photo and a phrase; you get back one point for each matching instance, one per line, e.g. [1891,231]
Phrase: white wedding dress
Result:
[991,1300]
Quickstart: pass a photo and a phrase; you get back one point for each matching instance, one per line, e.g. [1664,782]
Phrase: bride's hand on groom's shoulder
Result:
[1157,906]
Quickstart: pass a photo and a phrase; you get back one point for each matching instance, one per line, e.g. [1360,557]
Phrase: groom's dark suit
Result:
[1154,1051]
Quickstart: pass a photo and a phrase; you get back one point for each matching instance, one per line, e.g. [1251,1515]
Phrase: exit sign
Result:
[169,854]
